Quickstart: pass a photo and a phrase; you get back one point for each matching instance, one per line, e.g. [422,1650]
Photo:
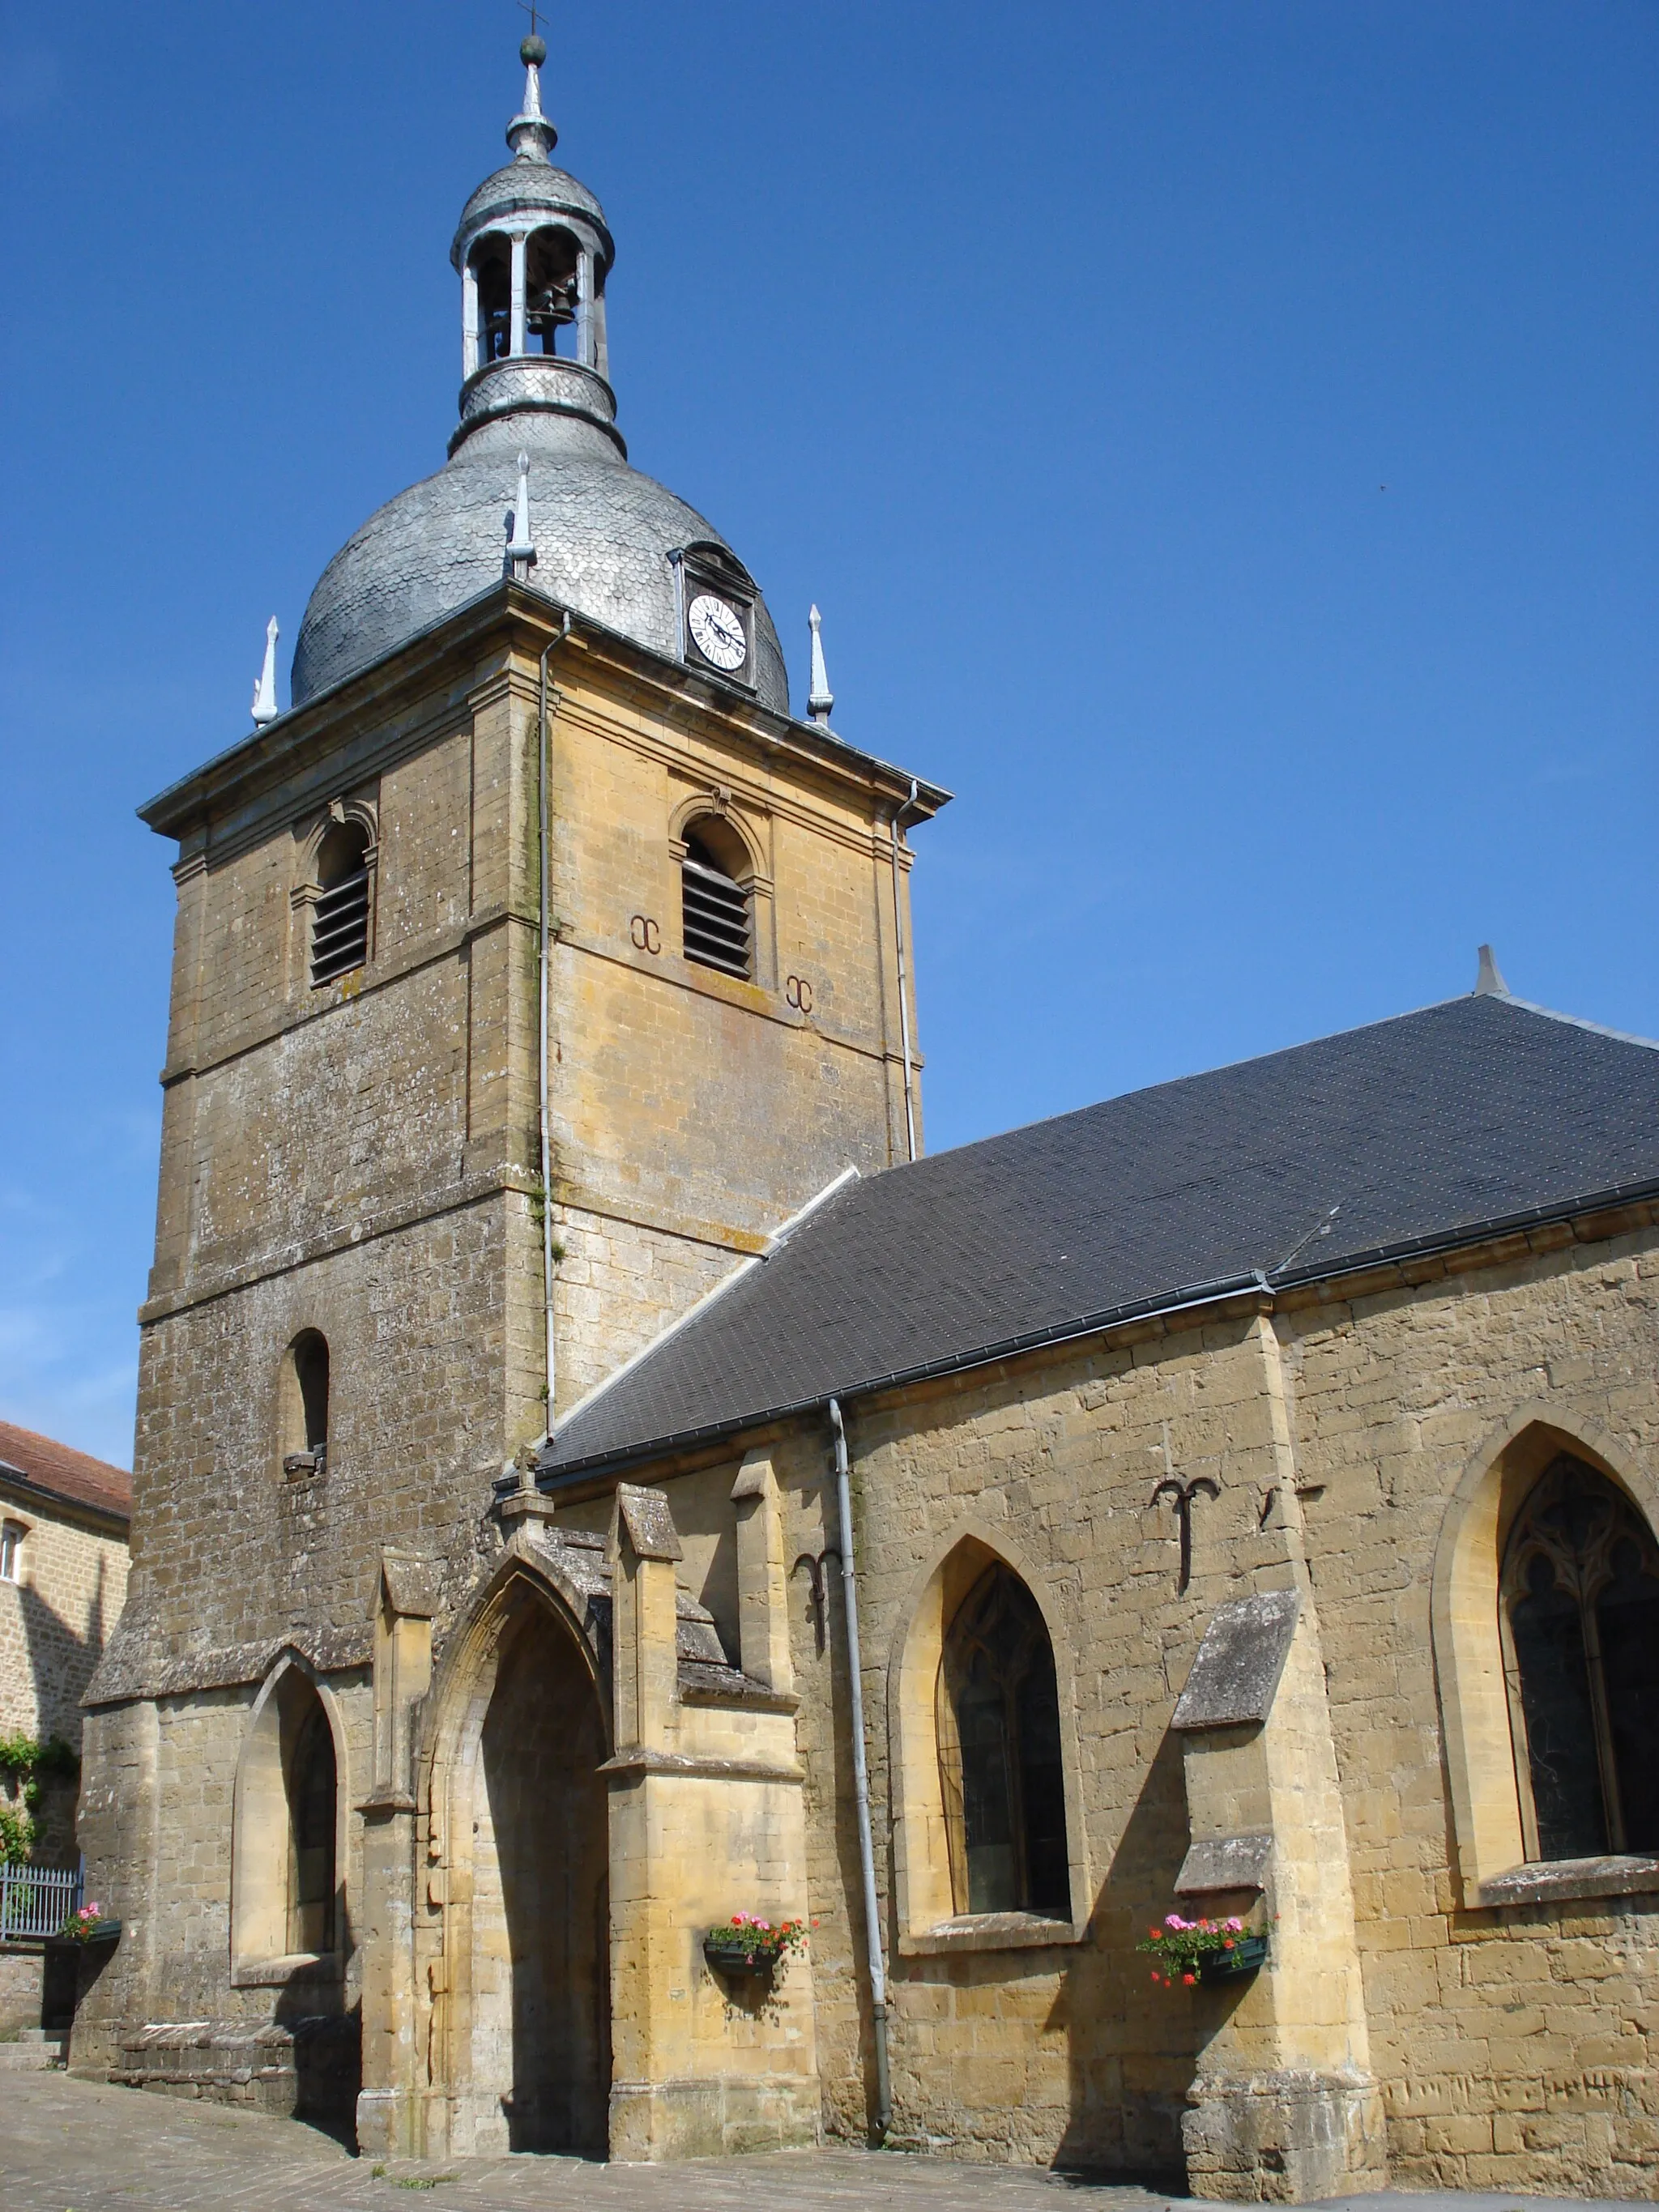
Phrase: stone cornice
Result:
[307,738]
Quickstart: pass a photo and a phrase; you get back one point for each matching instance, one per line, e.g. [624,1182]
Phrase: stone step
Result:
[34,2051]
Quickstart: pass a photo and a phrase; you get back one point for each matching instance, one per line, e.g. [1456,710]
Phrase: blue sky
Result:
[1220,437]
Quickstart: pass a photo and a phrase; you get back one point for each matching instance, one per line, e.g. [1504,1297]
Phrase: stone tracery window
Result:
[998,1722]
[1579,1617]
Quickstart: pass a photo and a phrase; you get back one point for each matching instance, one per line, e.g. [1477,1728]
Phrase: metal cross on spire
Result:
[536,16]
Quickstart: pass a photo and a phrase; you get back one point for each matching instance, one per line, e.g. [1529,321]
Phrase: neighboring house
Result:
[63,1523]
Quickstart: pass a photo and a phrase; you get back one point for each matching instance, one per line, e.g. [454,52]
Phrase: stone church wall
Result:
[1505,2038]
[1509,2043]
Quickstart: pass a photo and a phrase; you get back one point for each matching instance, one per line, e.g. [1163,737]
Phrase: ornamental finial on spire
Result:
[265,691]
[820,699]
[520,545]
[530,134]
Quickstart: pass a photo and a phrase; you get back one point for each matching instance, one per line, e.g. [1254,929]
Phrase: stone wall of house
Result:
[56,1617]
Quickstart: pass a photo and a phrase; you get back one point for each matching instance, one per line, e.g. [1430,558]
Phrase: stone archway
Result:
[520,2031]
[541,1906]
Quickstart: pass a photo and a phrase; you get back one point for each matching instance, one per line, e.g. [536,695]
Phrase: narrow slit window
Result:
[339,925]
[11,1551]
[304,1405]
[716,919]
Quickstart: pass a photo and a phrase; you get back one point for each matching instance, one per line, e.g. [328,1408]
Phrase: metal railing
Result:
[36,1901]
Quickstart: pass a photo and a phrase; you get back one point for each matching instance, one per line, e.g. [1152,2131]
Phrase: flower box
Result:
[726,1959]
[746,1945]
[1186,1952]
[1247,1952]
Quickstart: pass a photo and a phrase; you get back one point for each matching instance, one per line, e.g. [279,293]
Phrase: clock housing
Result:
[716,598]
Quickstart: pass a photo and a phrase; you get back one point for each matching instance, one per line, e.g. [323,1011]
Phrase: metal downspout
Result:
[898,943]
[878,1964]
[543,735]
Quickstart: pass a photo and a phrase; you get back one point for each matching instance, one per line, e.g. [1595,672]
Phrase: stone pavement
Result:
[73,2146]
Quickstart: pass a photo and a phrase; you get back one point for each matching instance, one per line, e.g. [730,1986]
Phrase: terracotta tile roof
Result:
[61,1473]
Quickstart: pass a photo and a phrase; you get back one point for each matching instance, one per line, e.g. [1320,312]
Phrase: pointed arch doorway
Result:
[529,1926]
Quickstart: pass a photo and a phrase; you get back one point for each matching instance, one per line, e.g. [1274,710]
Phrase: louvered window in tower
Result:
[716,921]
[339,922]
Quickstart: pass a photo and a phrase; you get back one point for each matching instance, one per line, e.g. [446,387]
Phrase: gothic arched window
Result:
[999,1753]
[311,1815]
[1579,1611]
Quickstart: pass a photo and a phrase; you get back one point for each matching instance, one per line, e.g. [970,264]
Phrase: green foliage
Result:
[24,1763]
[17,1833]
[24,1758]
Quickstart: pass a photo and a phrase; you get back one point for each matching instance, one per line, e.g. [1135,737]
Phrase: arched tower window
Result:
[999,1753]
[311,1790]
[339,924]
[305,1403]
[1579,1611]
[715,899]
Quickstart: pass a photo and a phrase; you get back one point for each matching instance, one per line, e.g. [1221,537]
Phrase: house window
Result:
[1579,1615]
[339,921]
[715,900]
[304,1405]
[12,1534]
[998,1720]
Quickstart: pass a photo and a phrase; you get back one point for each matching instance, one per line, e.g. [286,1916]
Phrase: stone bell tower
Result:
[537,928]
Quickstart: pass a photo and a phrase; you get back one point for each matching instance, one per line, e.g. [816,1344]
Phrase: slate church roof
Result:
[1419,1133]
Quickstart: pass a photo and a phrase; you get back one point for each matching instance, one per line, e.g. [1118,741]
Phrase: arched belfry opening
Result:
[553,293]
[529,1925]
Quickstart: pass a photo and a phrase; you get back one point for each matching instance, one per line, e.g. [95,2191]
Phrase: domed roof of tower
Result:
[524,184]
[534,252]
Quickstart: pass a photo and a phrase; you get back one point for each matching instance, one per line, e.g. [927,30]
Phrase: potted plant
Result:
[87,1924]
[745,1945]
[1189,1951]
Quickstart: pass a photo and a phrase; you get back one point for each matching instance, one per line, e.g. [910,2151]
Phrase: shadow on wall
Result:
[61,1660]
[1133,2047]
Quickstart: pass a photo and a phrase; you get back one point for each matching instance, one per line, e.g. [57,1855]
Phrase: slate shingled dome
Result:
[604,532]
[1410,1134]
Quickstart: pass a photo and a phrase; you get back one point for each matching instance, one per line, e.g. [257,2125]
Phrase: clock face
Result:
[717,631]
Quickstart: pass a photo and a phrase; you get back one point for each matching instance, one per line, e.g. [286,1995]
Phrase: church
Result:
[664,1619]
